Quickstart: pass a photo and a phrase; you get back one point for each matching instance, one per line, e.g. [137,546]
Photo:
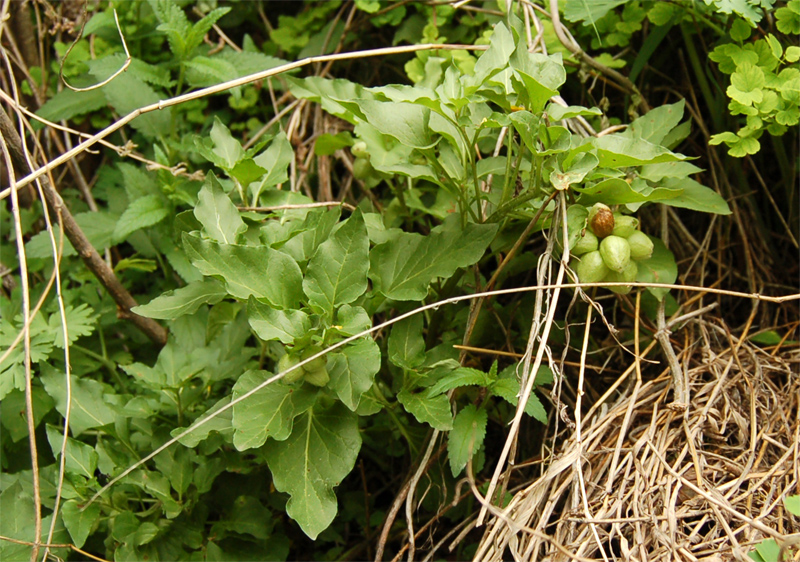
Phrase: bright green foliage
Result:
[466,437]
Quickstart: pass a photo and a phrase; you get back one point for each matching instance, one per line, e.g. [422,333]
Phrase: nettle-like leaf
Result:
[433,410]
[319,453]
[248,271]
[269,413]
[462,376]
[142,213]
[337,272]
[508,389]
[466,437]
[353,369]
[183,301]
[404,266]
[217,213]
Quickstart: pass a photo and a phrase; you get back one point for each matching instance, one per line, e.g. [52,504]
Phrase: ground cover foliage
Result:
[520,283]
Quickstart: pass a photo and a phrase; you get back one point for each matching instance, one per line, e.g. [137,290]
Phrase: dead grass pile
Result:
[642,481]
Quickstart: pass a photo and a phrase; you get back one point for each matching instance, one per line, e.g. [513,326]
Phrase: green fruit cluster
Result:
[314,372]
[609,249]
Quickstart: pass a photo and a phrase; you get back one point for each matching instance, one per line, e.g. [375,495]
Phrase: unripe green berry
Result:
[585,244]
[616,252]
[624,225]
[628,275]
[359,150]
[287,362]
[362,169]
[316,364]
[591,268]
[319,377]
[641,246]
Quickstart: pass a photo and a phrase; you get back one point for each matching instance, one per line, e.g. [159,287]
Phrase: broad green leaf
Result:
[615,191]
[435,411]
[173,367]
[176,463]
[81,459]
[219,423]
[144,212]
[337,272]
[557,112]
[540,76]
[272,324]
[17,522]
[696,196]
[331,94]
[16,425]
[247,516]
[657,123]
[406,348]
[327,143]
[267,413]
[248,271]
[792,504]
[314,231]
[406,122]
[183,301]
[657,172]
[275,159]
[768,550]
[746,84]
[462,376]
[351,320]
[466,437]
[217,213]
[616,151]
[403,267]
[492,61]
[353,370]
[658,268]
[589,11]
[89,410]
[319,453]
[584,163]
[228,149]
[79,520]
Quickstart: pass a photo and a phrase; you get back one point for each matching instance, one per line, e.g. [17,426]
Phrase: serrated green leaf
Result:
[353,370]
[183,301]
[248,271]
[217,213]
[403,267]
[88,409]
[508,389]
[79,520]
[337,272]
[658,268]
[434,411]
[127,93]
[67,104]
[466,437]
[406,348]
[272,324]
[269,413]
[143,212]
[206,71]
[81,321]
[319,453]
[463,376]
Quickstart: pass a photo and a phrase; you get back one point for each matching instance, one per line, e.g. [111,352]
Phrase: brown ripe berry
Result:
[601,220]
